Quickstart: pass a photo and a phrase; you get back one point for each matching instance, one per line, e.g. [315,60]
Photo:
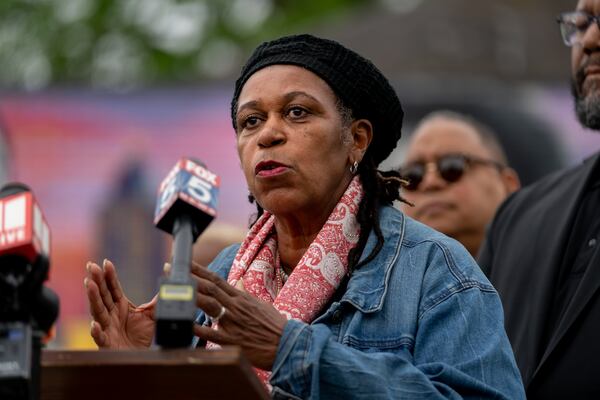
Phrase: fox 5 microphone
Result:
[27,308]
[187,202]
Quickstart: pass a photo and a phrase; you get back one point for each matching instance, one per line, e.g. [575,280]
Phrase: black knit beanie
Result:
[355,80]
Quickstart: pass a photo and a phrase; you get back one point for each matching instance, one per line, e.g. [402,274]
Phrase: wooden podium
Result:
[148,374]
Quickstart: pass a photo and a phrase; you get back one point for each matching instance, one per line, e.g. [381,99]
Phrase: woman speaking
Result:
[333,293]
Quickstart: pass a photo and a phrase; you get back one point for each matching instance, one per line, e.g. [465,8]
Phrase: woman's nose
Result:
[272,133]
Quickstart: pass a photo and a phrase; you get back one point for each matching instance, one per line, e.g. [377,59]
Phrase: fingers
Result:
[214,293]
[113,284]
[240,285]
[167,269]
[103,290]
[212,335]
[148,305]
[198,269]
[212,284]
[98,276]
[196,266]
[98,335]
[97,306]
[209,305]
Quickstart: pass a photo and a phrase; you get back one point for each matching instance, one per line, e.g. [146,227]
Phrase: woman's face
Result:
[292,143]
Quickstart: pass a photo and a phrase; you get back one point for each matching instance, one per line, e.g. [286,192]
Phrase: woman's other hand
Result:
[252,324]
[117,323]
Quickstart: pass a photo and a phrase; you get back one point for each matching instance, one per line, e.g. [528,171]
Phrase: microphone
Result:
[23,229]
[24,252]
[187,202]
[27,308]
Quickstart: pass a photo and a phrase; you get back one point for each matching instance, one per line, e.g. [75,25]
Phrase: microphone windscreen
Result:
[191,189]
[23,228]
[45,308]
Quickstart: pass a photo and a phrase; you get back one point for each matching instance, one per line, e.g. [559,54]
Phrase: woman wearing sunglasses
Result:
[458,176]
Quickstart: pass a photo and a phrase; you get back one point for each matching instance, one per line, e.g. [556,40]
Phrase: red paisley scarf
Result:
[319,272]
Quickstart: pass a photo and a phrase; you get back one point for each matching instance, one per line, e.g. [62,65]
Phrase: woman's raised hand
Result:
[117,323]
[252,324]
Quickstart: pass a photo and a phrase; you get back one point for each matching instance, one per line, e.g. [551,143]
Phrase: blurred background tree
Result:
[124,44]
[127,44]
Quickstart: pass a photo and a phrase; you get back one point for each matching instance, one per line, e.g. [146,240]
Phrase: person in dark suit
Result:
[542,252]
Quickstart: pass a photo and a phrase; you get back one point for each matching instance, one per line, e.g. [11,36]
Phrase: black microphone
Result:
[45,309]
[187,201]
[24,256]
[27,308]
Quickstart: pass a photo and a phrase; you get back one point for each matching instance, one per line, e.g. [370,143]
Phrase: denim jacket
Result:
[419,321]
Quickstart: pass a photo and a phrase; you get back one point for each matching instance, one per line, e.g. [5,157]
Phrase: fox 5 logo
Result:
[197,189]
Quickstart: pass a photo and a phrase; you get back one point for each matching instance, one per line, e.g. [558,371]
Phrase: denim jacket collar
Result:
[368,284]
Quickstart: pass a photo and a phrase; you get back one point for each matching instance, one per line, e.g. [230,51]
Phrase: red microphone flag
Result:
[23,228]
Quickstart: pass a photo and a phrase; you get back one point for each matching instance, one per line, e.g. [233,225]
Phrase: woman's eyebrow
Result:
[298,93]
[249,104]
[287,98]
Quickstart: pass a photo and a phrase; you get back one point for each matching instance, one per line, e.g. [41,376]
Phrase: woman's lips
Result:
[266,169]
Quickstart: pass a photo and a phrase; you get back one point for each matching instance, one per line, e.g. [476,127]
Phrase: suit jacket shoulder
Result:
[532,203]
[523,251]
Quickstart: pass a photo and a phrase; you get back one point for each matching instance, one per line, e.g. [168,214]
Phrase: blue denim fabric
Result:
[420,321]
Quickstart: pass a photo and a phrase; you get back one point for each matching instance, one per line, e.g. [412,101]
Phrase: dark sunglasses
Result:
[451,168]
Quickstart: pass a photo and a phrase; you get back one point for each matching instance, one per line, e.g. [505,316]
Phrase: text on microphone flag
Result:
[191,183]
[23,228]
